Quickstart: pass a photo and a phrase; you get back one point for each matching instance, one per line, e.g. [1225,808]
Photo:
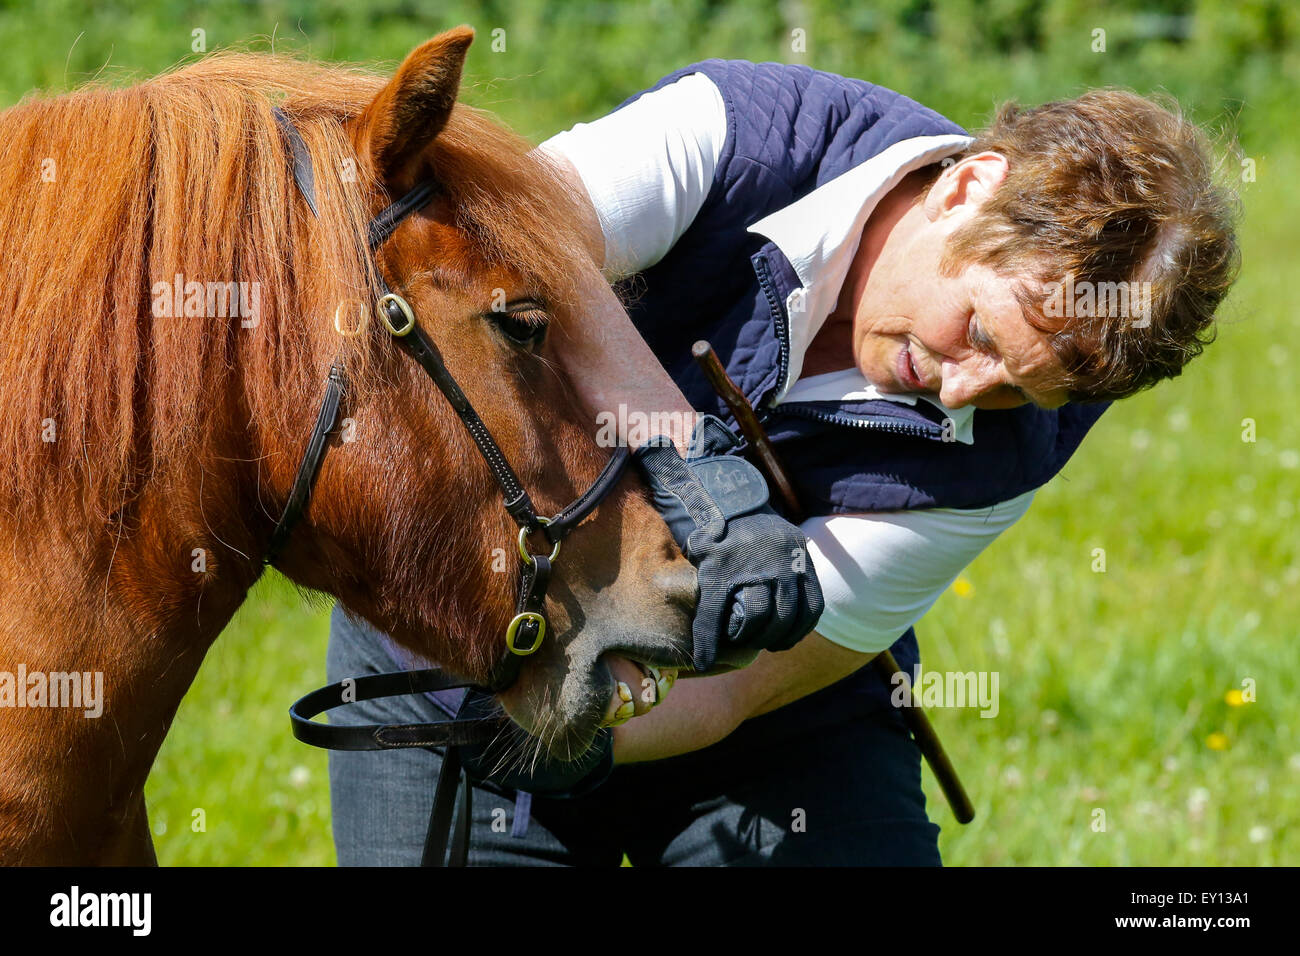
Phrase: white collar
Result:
[819,234]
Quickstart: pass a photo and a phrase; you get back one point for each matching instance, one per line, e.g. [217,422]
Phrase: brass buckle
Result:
[523,544]
[512,629]
[405,308]
[338,325]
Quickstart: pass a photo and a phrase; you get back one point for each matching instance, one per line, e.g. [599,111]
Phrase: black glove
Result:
[549,778]
[757,586]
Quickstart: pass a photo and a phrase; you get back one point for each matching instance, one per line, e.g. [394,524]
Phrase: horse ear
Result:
[413,107]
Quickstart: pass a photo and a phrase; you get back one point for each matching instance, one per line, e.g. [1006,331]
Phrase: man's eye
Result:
[523,323]
[976,338]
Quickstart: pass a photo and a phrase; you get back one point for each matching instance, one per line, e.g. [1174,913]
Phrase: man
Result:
[871,276]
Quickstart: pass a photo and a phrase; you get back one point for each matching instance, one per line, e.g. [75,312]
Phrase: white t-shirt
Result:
[648,168]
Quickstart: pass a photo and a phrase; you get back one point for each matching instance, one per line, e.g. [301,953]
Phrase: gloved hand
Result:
[758,588]
[487,762]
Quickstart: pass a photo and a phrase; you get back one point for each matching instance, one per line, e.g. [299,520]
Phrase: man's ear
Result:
[968,183]
[413,107]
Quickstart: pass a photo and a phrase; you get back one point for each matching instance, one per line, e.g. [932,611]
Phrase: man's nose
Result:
[966,381]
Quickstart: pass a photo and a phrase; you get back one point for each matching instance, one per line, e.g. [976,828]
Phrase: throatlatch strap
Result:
[309,468]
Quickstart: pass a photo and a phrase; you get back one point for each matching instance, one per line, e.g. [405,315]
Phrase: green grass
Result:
[264,795]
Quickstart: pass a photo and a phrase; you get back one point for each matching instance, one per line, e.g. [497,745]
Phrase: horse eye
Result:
[524,324]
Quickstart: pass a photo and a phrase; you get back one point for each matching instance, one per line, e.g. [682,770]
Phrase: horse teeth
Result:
[625,712]
[624,693]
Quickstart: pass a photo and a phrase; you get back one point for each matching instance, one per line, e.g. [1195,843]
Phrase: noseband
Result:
[526,630]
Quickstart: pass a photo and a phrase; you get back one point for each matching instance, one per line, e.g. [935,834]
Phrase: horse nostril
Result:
[679,585]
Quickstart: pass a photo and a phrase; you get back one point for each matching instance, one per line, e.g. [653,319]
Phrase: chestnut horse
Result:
[170,309]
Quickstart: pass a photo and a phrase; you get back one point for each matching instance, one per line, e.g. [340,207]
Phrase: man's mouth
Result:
[906,371]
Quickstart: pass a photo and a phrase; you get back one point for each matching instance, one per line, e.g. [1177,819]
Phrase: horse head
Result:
[409,530]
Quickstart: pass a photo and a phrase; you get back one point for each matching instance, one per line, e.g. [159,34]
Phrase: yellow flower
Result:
[1233,698]
[1217,741]
[963,588]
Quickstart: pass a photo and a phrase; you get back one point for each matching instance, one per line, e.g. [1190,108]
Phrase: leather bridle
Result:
[527,629]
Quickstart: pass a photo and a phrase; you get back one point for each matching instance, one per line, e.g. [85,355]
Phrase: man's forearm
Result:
[700,711]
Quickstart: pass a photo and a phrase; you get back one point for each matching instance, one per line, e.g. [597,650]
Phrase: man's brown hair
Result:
[1107,188]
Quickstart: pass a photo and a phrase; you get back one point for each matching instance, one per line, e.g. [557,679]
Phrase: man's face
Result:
[962,339]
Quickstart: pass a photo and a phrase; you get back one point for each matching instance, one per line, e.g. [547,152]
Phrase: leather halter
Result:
[526,631]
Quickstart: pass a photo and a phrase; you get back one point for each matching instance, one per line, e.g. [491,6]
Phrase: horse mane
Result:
[108,191]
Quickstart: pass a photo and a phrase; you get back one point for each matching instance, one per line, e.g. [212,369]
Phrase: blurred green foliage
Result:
[561,61]
[1116,685]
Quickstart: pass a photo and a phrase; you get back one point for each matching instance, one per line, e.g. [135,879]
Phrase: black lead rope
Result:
[444,797]
[528,627]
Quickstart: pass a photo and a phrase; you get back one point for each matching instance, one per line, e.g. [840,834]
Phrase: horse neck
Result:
[132,603]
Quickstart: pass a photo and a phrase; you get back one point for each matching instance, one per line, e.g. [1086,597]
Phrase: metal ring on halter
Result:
[523,543]
[361,325]
[512,629]
[381,307]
